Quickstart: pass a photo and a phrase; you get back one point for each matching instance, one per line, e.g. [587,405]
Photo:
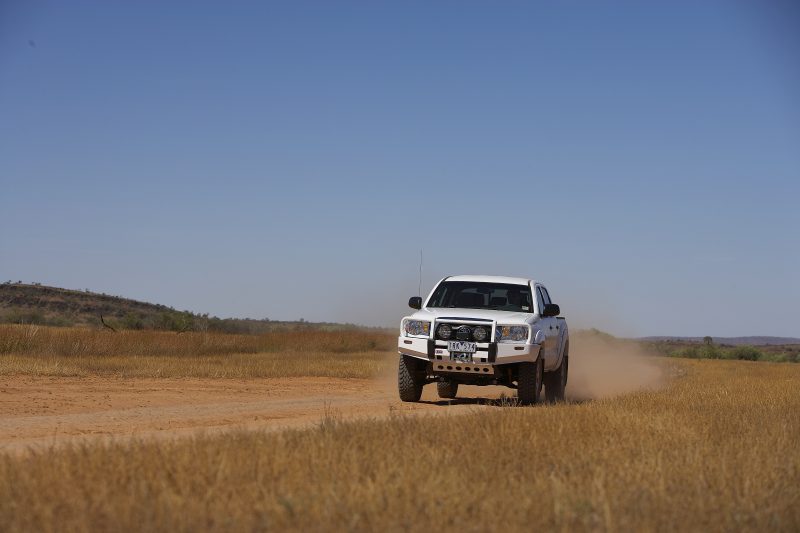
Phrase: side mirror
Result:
[415,302]
[551,310]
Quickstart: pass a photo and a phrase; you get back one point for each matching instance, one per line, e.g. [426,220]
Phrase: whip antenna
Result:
[419,290]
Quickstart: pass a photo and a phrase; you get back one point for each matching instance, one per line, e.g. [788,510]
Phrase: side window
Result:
[546,296]
[539,300]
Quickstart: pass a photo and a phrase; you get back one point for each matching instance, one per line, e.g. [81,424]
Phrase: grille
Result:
[464,332]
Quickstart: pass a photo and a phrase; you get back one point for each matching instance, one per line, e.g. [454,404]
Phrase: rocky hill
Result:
[37,304]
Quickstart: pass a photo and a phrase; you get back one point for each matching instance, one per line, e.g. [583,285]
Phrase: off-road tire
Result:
[447,389]
[529,382]
[410,378]
[556,381]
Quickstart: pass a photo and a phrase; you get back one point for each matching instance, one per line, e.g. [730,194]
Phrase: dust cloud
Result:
[601,366]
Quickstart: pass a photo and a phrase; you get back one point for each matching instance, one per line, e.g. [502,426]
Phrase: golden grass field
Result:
[50,351]
[714,449]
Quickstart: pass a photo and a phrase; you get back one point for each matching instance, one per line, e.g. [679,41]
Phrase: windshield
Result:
[475,295]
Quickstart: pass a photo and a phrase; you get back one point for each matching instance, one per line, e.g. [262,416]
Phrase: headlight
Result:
[416,328]
[445,331]
[511,333]
[480,334]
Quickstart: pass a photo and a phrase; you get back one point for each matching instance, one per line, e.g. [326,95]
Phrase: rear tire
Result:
[529,382]
[410,378]
[447,389]
[555,382]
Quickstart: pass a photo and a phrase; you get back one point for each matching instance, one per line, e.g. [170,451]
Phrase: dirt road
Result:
[38,412]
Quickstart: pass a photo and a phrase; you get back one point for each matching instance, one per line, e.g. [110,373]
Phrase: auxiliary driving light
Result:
[445,331]
[480,334]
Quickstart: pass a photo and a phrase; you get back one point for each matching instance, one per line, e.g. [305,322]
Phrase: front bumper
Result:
[489,355]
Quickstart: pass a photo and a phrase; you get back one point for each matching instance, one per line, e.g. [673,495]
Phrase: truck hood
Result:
[503,317]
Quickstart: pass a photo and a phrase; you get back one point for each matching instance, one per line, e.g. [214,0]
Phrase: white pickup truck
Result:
[484,330]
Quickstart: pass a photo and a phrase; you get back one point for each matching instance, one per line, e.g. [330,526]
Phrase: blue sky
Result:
[289,160]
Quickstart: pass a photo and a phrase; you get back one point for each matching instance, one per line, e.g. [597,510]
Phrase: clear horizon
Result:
[291,160]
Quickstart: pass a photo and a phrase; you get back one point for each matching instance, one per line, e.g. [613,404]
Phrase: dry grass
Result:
[716,450]
[48,351]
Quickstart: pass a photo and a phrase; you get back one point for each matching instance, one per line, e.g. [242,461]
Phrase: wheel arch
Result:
[563,348]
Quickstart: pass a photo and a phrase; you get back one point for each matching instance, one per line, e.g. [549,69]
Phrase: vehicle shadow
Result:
[493,402]
[503,401]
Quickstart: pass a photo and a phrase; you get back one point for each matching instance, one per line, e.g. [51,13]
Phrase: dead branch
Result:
[106,325]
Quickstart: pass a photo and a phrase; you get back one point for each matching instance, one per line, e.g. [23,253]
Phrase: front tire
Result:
[529,382]
[447,389]
[410,378]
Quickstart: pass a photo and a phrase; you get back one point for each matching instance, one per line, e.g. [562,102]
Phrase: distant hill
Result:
[54,306]
[730,341]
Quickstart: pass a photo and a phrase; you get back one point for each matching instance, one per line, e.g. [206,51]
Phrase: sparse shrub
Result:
[20,316]
[59,321]
[133,321]
[745,353]
[709,351]
[691,353]
[175,321]
[776,358]
[695,350]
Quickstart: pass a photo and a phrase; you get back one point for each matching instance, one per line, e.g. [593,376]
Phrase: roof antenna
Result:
[419,290]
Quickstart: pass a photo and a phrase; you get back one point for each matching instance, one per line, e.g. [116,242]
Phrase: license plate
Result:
[462,347]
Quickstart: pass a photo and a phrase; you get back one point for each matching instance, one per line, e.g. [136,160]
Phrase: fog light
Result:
[463,333]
